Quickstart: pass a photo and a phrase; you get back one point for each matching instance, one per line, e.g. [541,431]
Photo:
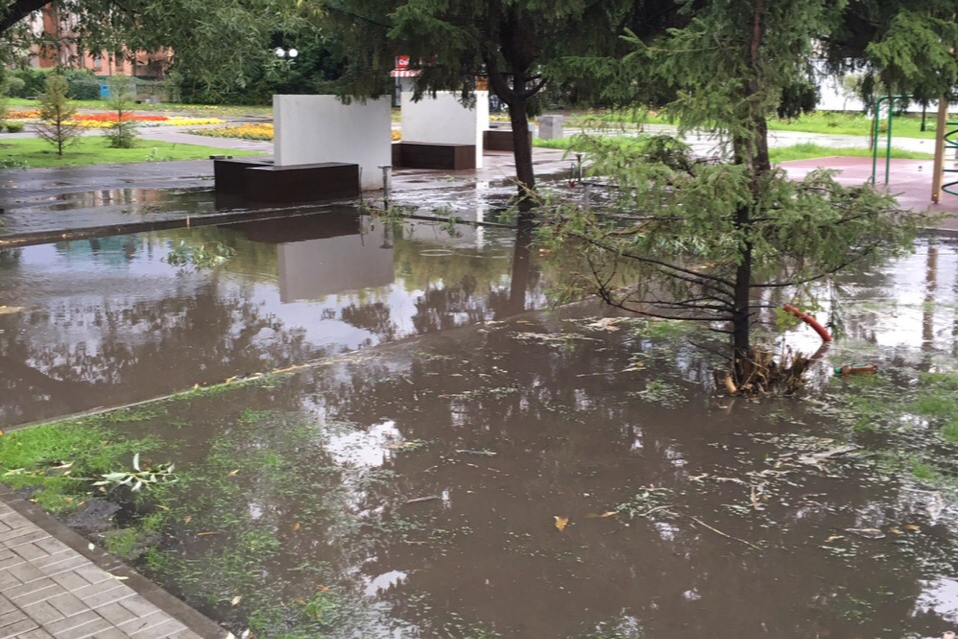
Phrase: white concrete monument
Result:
[444,120]
[313,129]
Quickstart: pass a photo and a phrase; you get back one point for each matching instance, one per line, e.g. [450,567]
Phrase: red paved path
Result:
[909,180]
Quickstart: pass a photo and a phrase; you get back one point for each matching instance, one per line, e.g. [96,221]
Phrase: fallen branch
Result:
[719,532]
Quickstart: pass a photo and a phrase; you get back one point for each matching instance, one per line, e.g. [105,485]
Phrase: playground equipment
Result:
[875,133]
[946,132]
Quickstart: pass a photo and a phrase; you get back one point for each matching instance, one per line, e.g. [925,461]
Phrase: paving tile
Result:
[68,604]
[15,520]
[53,559]
[32,592]
[90,629]
[184,634]
[159,631]
[53,545]
[7,581]
[139,606]
[143,623]
[6,605]
[43,613]
[16,629]
[115,613]
[25,573]
[30,551]
[69,563]
[96,595]
[13,538]
[38,633]
[93,574]
[12,616]
[70,580]
[60,626]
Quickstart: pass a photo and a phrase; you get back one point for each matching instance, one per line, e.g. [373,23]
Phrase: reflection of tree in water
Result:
[375,317]
[138,348]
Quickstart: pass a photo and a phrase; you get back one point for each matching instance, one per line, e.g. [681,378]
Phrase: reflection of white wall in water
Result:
[317,268]
[312,129]
[443,120]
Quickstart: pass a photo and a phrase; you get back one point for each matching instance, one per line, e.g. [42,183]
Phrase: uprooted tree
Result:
[704,239]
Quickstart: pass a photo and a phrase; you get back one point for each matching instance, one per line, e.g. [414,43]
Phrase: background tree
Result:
[707,239]
[519,45]
[56,124]
[123,133]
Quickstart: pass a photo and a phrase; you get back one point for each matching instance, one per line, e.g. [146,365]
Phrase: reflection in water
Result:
[106,321]
[420,486]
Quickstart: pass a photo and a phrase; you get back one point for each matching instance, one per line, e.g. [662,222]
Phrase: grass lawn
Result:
[206,110]
[33,153]
[779,154]
[825,122]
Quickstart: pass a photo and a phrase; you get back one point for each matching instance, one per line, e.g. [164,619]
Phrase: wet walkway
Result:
[50,590]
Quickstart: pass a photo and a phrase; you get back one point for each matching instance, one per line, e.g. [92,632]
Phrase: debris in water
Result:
[845,371]
[561,522]
[867,533]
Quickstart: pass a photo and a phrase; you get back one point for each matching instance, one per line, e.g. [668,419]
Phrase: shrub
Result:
[32,83]
[83,85]
[14,127]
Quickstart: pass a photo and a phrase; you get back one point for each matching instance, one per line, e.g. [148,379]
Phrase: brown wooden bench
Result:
[423,155]
[500,140]
[260,180]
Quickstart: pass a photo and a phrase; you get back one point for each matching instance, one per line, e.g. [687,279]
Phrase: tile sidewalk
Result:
[50,590]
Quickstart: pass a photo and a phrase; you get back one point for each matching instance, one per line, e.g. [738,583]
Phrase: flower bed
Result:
[262,132]
[109,119]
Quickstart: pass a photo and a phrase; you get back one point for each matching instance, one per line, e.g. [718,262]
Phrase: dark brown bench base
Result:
[420,155]
[259,180]
[500,140]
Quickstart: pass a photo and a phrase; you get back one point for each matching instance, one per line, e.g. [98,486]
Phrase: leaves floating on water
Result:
[561,522]
[200,256]
[867,533]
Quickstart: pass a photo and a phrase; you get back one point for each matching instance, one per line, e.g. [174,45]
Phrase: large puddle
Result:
[458,468]
[104,322]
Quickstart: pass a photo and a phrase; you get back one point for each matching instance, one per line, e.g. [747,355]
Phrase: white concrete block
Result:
[444,120]
[312,129]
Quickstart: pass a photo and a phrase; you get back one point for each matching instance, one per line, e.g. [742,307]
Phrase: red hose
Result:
[809,319]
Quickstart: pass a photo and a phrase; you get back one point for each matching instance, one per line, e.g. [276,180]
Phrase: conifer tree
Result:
[56,124]
[709,239]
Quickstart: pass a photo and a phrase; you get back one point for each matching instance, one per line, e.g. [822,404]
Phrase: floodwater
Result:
[464,466]
[107,321]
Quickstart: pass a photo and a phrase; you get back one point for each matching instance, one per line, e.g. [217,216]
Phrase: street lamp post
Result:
[287,56]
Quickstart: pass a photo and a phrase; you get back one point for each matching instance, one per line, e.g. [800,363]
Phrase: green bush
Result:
[14,127]
[83,85]
[26,83]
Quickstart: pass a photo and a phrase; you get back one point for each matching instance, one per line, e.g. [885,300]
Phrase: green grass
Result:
[59,460]
[803,151]
[809,151]
[208,110]
[833,123]
[826,122]
[36,153]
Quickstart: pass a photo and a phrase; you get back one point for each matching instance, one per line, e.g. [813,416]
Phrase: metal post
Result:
[579,167]
[938,164]
[892,105]
[875,138]
[387,183]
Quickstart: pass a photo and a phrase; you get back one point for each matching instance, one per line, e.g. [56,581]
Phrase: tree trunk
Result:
[522,155]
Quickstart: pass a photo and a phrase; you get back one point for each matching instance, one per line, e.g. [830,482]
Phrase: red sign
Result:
[402,62]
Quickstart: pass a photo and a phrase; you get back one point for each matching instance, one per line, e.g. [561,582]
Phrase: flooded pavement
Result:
[552,474]
[104,322]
